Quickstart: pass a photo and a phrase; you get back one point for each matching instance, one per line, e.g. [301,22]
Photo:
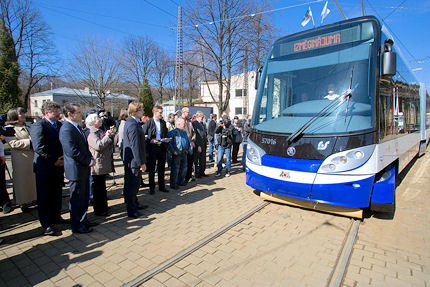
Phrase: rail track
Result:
[336,276]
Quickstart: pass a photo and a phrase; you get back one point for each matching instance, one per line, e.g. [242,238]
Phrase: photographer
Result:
[224,145]
[100,144]
[5,202]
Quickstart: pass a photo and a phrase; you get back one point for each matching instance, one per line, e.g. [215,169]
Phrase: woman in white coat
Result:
[24,182]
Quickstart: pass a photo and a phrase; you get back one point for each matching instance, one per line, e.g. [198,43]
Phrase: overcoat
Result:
[24,182]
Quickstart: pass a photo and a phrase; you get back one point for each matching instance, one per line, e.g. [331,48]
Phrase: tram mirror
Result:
[388,59]
[257,76]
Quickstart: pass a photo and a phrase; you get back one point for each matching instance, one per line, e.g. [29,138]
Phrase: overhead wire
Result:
[391,31]
[161,9]
[250,15]
[395,9]
[46,5]
[174,2]
[88,21]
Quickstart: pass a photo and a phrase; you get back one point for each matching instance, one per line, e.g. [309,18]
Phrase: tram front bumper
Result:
[333,189]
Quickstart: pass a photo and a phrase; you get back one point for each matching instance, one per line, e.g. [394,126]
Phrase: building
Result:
[86,98]
[242,97]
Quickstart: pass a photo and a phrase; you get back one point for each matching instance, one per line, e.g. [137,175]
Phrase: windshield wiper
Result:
[324,111]
[345,95]
[349,93]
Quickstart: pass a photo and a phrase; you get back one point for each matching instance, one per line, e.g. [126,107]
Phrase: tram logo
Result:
[284,174]
[291,151]
[322,145]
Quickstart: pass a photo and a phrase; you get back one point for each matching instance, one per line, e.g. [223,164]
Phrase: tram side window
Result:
[388,125]
[263,104]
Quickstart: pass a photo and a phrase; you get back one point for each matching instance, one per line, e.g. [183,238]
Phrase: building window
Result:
[35,103]
[240,111]
[240,92]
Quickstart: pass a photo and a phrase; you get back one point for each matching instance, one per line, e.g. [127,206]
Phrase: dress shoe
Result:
[90,224]
[151,191]
[204,175]
[102,213]
[183,184]
[135,214]
[51,231]
[164,190]
[7,207]
[62,221]
[82,229]
[174,187]
[140,207]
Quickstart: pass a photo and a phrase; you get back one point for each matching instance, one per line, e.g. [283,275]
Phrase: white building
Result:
[83,97]
[241,102]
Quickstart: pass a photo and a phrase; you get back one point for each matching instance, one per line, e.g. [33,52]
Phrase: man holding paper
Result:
[155,131]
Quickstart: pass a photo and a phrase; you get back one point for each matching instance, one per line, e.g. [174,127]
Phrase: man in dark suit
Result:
[134,157]
[155,131]
[200,142]
[77,163]
[48,167]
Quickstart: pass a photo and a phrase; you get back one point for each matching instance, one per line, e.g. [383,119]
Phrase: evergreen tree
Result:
[145,97]
[9,72]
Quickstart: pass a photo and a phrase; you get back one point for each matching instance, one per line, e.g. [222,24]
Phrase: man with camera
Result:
[225,130]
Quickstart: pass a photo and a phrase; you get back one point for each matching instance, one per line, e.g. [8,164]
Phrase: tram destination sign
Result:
[334,38]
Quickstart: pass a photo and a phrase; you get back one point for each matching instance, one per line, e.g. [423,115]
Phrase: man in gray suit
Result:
[77,163]
[134,157]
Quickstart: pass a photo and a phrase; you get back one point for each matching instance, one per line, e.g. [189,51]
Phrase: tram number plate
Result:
[268,141]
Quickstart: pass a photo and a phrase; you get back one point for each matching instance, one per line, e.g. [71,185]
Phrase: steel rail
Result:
[339,270]
[184,253]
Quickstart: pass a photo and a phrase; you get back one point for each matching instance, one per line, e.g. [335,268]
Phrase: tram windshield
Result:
[304,76]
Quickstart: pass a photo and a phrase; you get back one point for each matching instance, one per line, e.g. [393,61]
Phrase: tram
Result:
[337,116]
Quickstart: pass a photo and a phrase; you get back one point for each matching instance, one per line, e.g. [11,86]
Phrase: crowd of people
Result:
[56,146]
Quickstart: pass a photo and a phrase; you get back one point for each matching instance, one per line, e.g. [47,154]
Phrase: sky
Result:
[73,20]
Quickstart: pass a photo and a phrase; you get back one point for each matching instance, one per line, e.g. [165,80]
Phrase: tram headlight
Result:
[347,160]
[254,152]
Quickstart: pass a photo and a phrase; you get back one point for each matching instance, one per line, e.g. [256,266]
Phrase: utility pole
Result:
[245,84]
[362,8]
[179,61]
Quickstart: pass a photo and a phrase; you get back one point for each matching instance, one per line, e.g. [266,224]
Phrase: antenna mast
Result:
[179,61]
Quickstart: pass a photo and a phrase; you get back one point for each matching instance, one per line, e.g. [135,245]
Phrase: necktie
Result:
[55,125]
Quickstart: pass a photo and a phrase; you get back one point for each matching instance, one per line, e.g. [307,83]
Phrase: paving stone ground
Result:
[278,246]
[120,249]
[396,252]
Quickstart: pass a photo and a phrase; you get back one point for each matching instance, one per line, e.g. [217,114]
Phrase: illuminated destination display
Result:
[317,42]
[359,32]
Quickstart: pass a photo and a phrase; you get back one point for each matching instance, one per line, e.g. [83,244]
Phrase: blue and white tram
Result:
[337,116]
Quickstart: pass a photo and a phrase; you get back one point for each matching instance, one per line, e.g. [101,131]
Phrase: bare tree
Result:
[138,58]
[96,66]
[220,26]
[260,33]
[33,46]
[192,74]
[161,74]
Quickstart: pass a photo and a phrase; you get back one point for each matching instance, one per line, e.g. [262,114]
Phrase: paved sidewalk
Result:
[278,246]
[120,249]
[396,252]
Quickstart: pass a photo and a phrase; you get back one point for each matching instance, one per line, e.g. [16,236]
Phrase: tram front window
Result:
[296,89]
